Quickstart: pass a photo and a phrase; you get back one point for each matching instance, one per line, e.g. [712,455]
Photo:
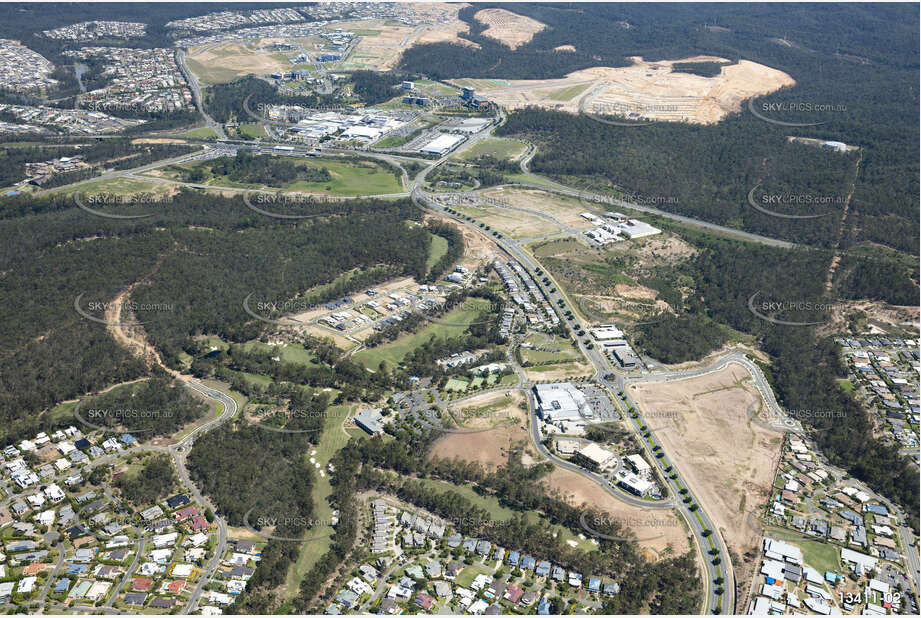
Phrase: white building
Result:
[442,144]
[605,332]
[601,457]
[561,402]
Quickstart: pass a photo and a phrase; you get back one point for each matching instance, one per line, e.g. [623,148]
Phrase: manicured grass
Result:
[252,130]
[331,441]
[394,352]
[566,94]
[847,385]
[466,577]
[820,556]
[292,353]
[497,147]
[500,513]
[348,178]
[455,384]
[202,132]
[437,250]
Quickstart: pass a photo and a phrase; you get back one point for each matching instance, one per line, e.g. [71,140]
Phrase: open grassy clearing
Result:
[394,352]
[332,439]
[498,147]
[201,132]
[226,62]
[121,186]
[501,513]
[509,222]
[570,92]
[252,130]
[291,353]
[348,178]
[437,250]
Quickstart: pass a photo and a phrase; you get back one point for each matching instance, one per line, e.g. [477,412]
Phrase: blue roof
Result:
[77,568]
[513,557]
[831,577]
[127,438]
[543,608]
[876,509]
[528,562]
[543,568]
[62,585]
[594,584]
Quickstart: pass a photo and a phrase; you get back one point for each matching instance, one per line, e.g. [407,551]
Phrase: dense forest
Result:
[805,366]
[159,406]
[193,264]
[152,483]
[261,170]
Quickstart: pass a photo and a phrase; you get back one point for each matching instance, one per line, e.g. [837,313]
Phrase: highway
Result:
[196,94]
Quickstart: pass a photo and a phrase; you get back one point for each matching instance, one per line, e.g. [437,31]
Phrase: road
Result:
[706,534]
[195,87]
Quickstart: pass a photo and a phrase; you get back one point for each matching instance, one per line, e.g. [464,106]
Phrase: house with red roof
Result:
[141,583]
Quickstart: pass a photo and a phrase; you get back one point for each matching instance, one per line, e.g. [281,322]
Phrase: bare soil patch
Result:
[508,28]
[488,448]
[727,460]
[567,211]
[650,90]
[655,529]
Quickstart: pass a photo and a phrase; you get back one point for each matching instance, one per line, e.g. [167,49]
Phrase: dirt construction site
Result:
[508,28]
[708,425]
[642,91]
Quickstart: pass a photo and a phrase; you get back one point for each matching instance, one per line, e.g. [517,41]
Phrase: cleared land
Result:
[498,147]
[644,90]
[225,62]
[489,448]
[510,223]
[347,178]
[565,210]
[383,42]
[394,352]
[561,371]
[705,424]
[508,28]
[656,530]
[606,283]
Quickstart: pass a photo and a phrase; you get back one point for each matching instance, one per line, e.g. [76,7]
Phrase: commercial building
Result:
[561,402]
[601,457]
[606,332]
[370,420]
[635,484]
[632,228]
[442,144]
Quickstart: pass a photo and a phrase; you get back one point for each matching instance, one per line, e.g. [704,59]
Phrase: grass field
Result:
[332,439]
[437,250]
[847,385]
[501,514]
[202,132]
[252,130]
[566,94]
[497,147]
[348,178]
[394,352]
[121,186]
[292,353]
[821,556]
